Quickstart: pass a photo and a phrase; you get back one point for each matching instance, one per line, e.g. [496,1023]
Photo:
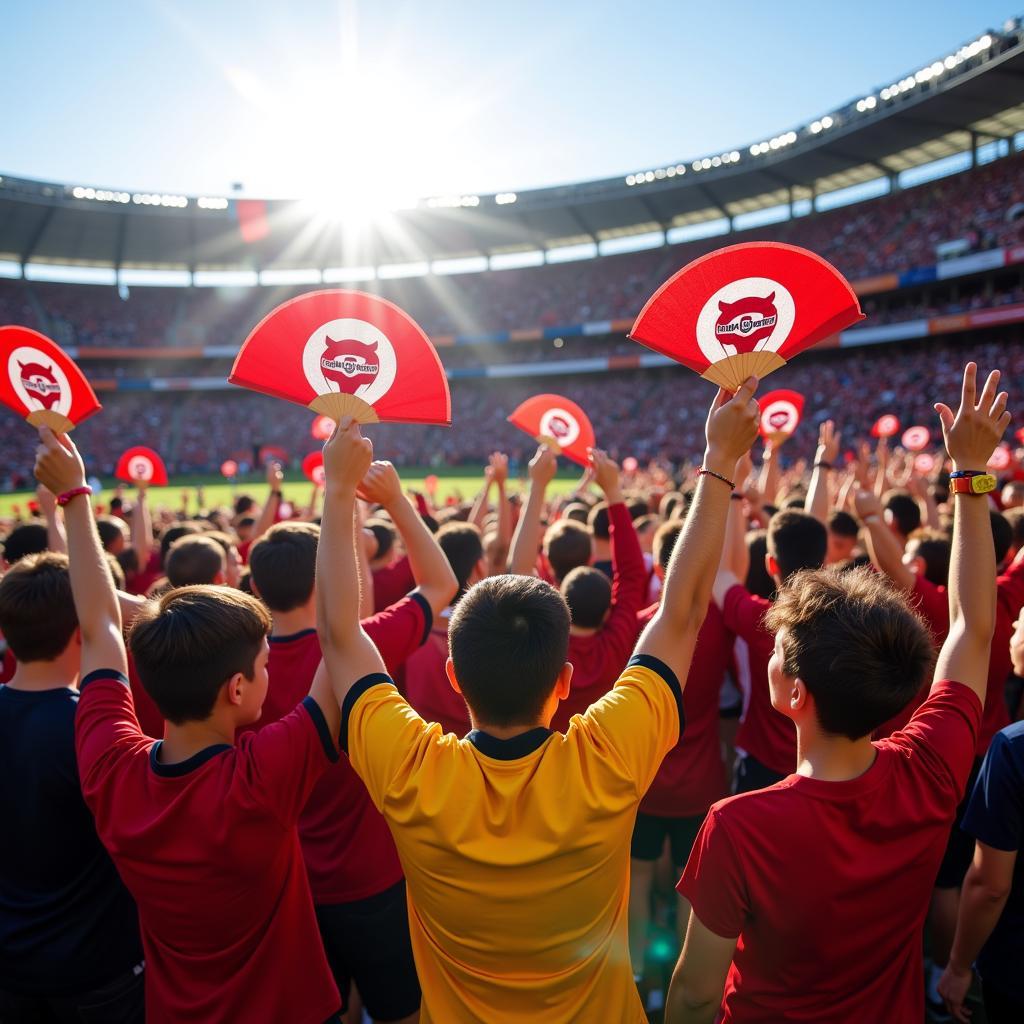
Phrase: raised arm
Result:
[434,577]
[59,467]
[142,528]
[499,467]
[56,540]
[971,436]
[526,542]
[672,633]
[768,483]
[824,461]
[883,546]
[480,503]
[275,478]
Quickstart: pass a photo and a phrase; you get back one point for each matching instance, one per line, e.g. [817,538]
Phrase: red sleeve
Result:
[283,761]
[713,879]
[933,603]
[1010,589]
[400,629]
[744,612]
[243,551]
[392,583]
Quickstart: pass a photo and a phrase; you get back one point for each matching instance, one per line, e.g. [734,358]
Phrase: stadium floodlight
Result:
[212,203]
[630,179]
[504,198]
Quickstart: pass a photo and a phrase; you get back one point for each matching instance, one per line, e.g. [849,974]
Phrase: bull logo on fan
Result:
[559,427]
[746,322]
[779,418]
[350,364]
[40,383]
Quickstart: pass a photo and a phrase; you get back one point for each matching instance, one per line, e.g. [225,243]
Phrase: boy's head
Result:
[37,611]
[847,648]
[198,646]
[664,541]
[577,512]
[588,593]
[927,554]
[646,527]
[195,560]
[172,534]
[902,513]
[842,536]
[113,533]
[509,637]
[282,565]
[758,580]
[598,521]
[244,528]
[385,535]
[232,563]
[567,544]
[25,539]
[1012,495]
[796,541]
[464,549]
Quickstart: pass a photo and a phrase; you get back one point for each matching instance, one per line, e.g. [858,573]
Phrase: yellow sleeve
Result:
[382,735]
[638,721]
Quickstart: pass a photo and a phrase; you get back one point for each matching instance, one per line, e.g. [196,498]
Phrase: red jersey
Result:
[425,684]
[140,582]
[600,658]
[8,666]
[210,850]
[827,883]
[151,722]
[764,733]
[692,776]
[392,583]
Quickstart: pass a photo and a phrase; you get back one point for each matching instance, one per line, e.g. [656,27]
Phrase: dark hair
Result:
[598,521]
[128,559]
[567,544]
[588,593]
[673,503]
[856,644]
[664,541]
[194,560]
[796,500]
[25,539]
[758,580]
[283,565]
[509,637]
[110,530]
[1015,517]
[188,643]
[638,506]
[463,547]
[225,540]
[842,524]
[648,521]
[905,511]
[577,512]
[246,523]
[173,533]
[245,581]
[243,504]
[1002,534]
[116,572]
[385,537]
[933,548]
[796,541]
[37,611]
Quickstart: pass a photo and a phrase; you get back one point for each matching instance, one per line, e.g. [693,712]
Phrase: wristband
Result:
[63,499]
[277,494]
[971,481]
[718,476]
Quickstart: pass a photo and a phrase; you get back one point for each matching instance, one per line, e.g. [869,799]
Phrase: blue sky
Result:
[432,96]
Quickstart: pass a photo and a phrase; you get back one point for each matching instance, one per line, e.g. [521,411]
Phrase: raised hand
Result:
[498,465]
[731,427]
[829,440]
[275,475]
[347,457]
[543,466]
[381,485]
[59,467]
[606,474]
[972,434]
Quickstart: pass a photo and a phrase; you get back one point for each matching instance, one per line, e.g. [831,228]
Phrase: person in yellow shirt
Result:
[515,840]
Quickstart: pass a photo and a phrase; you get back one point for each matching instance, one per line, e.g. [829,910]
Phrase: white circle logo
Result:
[754,314]
[779,417]
[140,467]
[561,425]
[351,357]
[38,381]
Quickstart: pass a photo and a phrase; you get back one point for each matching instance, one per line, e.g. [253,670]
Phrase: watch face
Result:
[983,484]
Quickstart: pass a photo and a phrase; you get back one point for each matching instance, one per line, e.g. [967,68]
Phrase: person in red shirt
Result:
[692,776]
[809,897]
[202,830]
[766,739]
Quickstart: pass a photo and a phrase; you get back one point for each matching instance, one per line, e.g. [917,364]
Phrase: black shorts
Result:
[121,1001]
[367,942]
[649,835]
[959,846]
[749,774]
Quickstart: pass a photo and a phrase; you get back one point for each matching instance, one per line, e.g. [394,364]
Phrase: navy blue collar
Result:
[511,749]
[291,636]
[190,764]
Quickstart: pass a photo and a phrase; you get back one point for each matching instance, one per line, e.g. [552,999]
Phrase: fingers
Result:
[745,392]
[969,389]
[999,405]
[989,391]
[945,415]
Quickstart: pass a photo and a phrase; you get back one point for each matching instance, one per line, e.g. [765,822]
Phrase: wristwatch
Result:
[971,481]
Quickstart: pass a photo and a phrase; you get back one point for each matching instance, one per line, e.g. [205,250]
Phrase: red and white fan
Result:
[916,439]
[557,422]
[1002,459]
[886,426]
[323,427]
[924,463]
[746,309]
[229,469]
[141,466]
[780,414]
[313,467]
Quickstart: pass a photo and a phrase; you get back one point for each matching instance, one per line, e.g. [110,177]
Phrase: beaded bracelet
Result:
[718,476]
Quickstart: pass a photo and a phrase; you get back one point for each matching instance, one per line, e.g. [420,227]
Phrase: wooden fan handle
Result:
[57,422]
[336,405]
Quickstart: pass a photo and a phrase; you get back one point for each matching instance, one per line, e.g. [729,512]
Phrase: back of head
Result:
[112,531]
[567,544]
[173,533]
[576,511]
[282,564]
[673,504]
[37,611]
[665,541]
[1015,517]
[188,643]
[1002,534]
[463,547]
[758,581]
[385,538]
[25,539]
[638,506]
[933,548]
[855,643]
[842,524]
[588,593]
[509,637]
[904,511]
[598,521]
[194,560]
[796,541]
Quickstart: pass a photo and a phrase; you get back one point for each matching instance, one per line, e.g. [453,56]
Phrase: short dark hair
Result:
[188,643]
[25,539]
[283,565]
[1015,517]
[933,548]
[243,504]
[673,503]
[1002,534]
[567,544]
[758,581]
[509,637]
[664,542]
[37,611]
[598,521]
[854,641]
[385,537]
[905,511]
[638,506]
[576,511]
[194,560]
[463,547]
[588,593]
[246,523]
[842,524]
[110,529]
[116,572]
[173,533]
[796,540]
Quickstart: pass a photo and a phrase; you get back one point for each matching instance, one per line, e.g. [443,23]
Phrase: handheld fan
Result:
[39,381]
[924,463]
[346,353]
[323,427]
[229,468]
[557,422]
[746,309]
[886,426]
[780,414]
[313,467]
[141,466]
[916,439]
[1002,459]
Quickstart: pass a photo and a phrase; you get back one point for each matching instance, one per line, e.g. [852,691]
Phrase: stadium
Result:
[913,191]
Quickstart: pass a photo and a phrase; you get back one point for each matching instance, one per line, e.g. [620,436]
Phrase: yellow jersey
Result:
[516,852]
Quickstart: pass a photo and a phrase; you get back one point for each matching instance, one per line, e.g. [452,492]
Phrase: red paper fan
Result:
[229,468]
[273,453]
[323,427]
[746,309]
[141,466]
[780,414]
[313,467]
[40,382]
[916,439]
[1020,435]
[1002,459]
[630,464]
[557,422]
[346,353]
[886,426]
[924,463]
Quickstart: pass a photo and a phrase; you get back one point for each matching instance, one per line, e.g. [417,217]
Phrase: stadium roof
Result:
[969,97]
